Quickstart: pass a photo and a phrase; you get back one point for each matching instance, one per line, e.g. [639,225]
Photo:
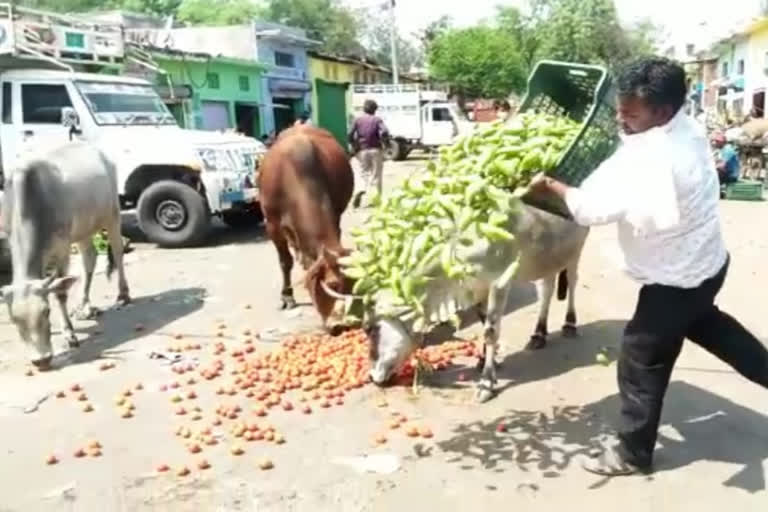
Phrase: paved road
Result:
[557,402]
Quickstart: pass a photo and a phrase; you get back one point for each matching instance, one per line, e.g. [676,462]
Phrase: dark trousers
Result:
[652,341]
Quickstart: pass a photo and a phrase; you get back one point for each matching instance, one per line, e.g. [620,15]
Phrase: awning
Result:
[180,92]
[279,85]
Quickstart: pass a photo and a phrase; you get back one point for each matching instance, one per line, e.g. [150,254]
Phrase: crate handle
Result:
[578,72]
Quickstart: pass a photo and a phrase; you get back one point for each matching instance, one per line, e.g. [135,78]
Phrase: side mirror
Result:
[69,118]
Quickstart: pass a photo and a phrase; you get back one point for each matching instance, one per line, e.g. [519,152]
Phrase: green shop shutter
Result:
[332,108]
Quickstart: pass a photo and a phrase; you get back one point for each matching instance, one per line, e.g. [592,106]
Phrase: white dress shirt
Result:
[662,189]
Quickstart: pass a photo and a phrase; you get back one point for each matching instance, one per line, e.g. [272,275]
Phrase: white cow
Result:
[547,246]
[52,201]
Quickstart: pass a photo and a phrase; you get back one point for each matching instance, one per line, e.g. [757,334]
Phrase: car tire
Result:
[172,214]
[397,150]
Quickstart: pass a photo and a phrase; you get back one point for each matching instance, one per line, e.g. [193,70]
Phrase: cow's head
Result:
[29,309]
[391,339]
[325,275]
[391,345]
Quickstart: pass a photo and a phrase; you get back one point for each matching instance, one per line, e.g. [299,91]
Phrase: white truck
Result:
[176,179]
[416,118]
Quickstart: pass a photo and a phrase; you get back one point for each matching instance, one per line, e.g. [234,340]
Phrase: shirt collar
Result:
[673,124]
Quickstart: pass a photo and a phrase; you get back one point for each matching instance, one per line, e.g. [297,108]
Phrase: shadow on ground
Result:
[551,442]
[220,234]
[144,316]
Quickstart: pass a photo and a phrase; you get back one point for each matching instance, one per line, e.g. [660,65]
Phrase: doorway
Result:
[247,119]
[285,113]
[215,115]
[758,104]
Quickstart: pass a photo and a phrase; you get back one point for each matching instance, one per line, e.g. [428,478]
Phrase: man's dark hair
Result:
[370,107]
[502,105]
[657,80]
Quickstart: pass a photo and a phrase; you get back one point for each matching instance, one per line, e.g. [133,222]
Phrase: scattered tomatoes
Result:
[51,459]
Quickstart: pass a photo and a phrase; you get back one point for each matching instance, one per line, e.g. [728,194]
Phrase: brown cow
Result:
[305,184]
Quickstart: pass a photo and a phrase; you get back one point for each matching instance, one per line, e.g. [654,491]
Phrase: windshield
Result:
[116,103]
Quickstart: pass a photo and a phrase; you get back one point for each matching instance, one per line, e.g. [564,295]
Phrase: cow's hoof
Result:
[480,364]
[43,364]
[287,303]
[122,301]
[570,331]
[537,342]
[484,394]
[87,312]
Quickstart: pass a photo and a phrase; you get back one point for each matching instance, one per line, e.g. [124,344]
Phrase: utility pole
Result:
[393,37]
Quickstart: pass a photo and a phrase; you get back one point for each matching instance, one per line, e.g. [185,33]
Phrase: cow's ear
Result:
[61,284]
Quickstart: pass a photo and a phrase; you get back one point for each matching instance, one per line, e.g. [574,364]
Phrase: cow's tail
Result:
[110,261]
[562,285]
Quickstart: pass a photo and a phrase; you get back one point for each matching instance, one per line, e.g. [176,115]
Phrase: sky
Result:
[681,18]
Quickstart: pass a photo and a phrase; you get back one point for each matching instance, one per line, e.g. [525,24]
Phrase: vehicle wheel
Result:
[238,219]
[397,150]
[173,214]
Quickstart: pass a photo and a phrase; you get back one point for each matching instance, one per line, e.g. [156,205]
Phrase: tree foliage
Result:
[327,21]
[479,61]
[216,12]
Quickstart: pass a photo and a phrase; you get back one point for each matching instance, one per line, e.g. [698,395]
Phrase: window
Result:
[42,103]
[284,60]
[7,104]
[740,68]
[245,83]
[725,70]
[213,80]
[441,114]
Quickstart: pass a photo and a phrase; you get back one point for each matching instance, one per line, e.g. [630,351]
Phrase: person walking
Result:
[661,187]
[367,138]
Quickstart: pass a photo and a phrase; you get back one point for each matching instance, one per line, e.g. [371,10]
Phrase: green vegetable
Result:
[467,194]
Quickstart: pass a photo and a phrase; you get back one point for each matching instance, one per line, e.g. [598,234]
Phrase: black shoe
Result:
[612,463]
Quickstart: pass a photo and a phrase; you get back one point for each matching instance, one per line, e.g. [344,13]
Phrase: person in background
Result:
[661,188]
[304,118]
[727,160]
[503,109]
[367,138]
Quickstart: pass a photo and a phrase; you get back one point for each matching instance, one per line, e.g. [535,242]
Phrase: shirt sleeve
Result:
[600,199]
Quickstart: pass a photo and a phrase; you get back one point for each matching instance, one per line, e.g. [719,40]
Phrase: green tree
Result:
[216,12]
[156,7]
[588,31]
[525,29]
[69,5]
[377,40]
[478,62]
[328,21]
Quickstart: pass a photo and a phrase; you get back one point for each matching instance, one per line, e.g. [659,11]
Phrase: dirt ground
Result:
[557,403]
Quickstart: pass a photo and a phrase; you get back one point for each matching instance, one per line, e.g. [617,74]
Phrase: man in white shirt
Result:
[661,188]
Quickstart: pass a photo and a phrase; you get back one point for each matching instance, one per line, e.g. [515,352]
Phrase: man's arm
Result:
[600,198]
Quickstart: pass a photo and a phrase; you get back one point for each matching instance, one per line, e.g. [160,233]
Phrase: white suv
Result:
[175,178]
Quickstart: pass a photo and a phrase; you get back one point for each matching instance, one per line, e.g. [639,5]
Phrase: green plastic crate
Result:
[744,190]
[585,94]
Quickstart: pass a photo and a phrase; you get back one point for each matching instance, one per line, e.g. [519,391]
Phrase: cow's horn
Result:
[337,295]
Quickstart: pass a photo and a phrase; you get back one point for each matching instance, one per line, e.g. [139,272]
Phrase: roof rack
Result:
[59,39]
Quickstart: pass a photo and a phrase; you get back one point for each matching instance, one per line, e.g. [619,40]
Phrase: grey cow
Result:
[548,246]
[52,201]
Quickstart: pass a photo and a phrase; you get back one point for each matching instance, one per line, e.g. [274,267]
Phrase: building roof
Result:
[365,63]
[173,53]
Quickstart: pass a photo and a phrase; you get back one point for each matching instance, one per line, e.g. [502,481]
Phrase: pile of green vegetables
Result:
[465,194]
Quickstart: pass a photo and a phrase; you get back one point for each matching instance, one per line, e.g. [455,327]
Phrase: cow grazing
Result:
[305,185]
[51,202]
[548,246]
